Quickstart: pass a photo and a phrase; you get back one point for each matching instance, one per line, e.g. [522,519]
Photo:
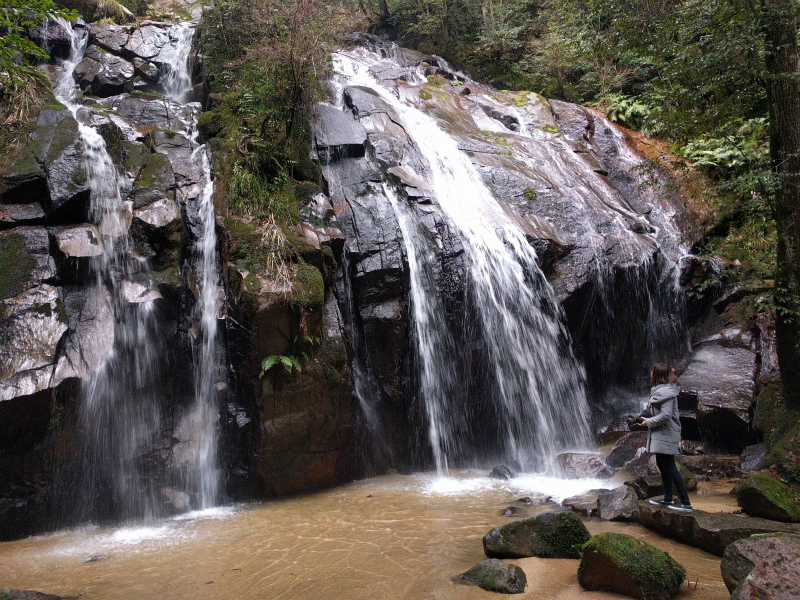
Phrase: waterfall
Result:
[122,415]
[178,80]
[536,385]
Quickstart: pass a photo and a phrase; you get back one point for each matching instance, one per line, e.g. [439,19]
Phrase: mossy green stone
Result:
[550,535]
[308,287]
[622,563]
[210,124]
[760,495]
[152,167]
[496,576]
[16,264]
[64,136]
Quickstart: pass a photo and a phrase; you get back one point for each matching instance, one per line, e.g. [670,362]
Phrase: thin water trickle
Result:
[121,416]
[536,384]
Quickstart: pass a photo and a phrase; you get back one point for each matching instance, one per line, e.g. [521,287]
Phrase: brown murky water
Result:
[392,537]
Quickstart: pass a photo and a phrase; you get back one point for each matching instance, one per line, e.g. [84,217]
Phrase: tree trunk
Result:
[783,91]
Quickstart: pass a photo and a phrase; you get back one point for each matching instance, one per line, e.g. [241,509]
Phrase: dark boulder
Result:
[626,449]
[618,504]
[54,38]
[763,566]
[337,134]
[752,456]
[494,575]
[549,535]
[579,465]
[501,472]
[10,594]
[760,495]
[584,504]
[719,382]
[103,74]
[709,532]
[621,563]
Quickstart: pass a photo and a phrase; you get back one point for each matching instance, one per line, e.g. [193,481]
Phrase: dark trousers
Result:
[669,474]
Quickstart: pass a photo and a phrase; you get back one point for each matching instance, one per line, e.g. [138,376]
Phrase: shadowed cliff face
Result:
[606,228]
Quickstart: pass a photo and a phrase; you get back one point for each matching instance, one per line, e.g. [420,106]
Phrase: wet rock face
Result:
[578,465]
[763,566]
[566,176]
[56,325]
[719,383]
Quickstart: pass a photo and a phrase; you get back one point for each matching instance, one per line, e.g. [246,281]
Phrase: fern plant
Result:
[289,363]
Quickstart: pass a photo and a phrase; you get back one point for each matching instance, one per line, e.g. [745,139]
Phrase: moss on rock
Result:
[621,563]
[16,264]
[760,495]
[308,287]
[780,426]
[496,576]
[550,535]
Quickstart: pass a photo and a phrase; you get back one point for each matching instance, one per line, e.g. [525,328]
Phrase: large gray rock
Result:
[54,37]
[79,241]
[618,504]
[752,456]
[578,465]
[337,134]
[719,381]
[621,563]
[763,566]
[110,37]
[549,535]
[91,336]
[494,575]
[707,531]
[626,449]
[103,74]
[21,214]
[584,504]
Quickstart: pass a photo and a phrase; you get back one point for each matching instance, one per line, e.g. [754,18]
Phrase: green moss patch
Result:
[622,563]
[16,264]
[760,495]
[550,535]
[308,287]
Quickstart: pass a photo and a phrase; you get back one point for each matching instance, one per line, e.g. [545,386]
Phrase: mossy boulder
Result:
[618,562]
[549,535]
[494,575]
[760,495]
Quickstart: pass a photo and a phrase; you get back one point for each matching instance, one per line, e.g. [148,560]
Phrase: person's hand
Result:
[643,422]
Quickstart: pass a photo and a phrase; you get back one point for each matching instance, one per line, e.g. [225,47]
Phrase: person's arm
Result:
[664,414]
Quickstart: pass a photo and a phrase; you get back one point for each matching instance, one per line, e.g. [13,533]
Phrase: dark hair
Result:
[661,373]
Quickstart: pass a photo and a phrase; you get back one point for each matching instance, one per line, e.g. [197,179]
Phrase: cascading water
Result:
[536,385]
[122,410]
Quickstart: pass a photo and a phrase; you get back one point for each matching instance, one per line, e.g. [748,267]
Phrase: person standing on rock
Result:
[664,434]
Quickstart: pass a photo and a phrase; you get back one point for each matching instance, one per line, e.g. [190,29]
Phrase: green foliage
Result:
[289,363]
[252,194]
[16,264]
[18,54]
[629,112]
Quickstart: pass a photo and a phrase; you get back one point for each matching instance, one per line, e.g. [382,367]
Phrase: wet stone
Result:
[79,242]
[494,575]
[763,566]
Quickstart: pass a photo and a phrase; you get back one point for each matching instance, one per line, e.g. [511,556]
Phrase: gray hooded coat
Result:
[664,426]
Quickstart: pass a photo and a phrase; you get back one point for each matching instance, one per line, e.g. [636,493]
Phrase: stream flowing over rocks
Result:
[494,274]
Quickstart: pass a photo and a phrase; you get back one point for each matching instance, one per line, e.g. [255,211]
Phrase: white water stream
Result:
[120,414]
[539,384]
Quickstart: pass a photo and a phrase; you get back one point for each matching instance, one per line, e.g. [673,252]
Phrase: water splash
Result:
[178,80]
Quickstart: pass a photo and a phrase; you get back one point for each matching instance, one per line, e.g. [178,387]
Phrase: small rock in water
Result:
[514,511]
[549,535]
[96,558]
[501,472]
[751,456]
[526,500]
[494,575]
